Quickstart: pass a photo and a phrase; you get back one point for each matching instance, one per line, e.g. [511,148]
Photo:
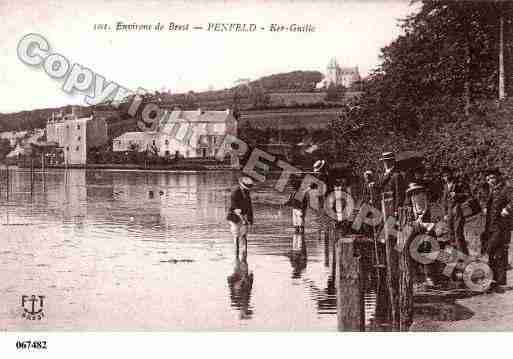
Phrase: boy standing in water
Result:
[299,204]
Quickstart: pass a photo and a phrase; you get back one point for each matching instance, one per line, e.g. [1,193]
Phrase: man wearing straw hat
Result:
[392,185]
[321,171]
[417,201]
[240,214]
[368,191]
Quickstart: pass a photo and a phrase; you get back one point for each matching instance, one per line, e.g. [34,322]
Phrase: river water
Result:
[142,250]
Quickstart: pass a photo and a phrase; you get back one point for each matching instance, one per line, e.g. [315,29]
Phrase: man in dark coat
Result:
[455,193]
[392,185]
[240,213]
[499,209]
[322,172]
[369,190]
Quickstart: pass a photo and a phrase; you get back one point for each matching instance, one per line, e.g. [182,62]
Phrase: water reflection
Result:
[298,255]
[160,247]
[240,283]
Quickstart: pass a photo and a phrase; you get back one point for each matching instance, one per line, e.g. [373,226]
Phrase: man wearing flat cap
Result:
[499,210]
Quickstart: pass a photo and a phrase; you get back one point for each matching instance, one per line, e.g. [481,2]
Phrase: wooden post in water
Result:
[8,189]
[31,175]
[350,305]
[404,239]
[392,265]
[327,250]
[382,313]
[43,170]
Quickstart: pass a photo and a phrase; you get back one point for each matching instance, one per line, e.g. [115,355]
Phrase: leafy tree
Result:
[5,147]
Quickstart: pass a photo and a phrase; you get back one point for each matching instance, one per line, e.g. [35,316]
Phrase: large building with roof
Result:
[339,76]
[76,136]
[187,134]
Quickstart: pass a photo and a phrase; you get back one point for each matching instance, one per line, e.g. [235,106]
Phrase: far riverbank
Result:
[185,166]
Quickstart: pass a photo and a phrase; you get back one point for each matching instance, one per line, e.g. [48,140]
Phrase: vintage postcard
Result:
[255,166]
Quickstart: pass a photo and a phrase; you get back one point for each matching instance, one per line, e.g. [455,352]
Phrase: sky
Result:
[352,31]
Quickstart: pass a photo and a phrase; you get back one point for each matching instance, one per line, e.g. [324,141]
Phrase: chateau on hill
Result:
[339,76]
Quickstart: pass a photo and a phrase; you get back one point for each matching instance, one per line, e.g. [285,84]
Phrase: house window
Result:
[79,138]
[67,148]
[76,149]
[78,127]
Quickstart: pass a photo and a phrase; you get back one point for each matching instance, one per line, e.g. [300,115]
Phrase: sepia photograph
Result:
[277,166]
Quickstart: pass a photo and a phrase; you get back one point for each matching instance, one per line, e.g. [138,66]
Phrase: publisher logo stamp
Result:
[32,307]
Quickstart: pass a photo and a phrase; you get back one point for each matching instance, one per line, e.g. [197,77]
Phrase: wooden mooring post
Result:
[392,279]
[405,274]
[8,182]
[43,171]
[31,176]
[349,281]
[394,291]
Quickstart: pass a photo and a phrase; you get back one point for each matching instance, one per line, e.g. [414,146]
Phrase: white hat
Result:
[413,186]
[388,156]
[246,182]
[319,165]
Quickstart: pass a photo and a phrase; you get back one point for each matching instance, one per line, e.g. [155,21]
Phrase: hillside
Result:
[255,94]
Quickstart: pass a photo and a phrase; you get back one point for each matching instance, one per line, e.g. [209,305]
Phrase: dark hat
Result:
[493,171]
[388,156]
[447,169]
[414,186]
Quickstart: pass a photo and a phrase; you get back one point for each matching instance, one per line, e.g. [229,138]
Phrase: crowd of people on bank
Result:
[405,195]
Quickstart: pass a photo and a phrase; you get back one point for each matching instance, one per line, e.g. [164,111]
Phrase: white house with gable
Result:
[188,134]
